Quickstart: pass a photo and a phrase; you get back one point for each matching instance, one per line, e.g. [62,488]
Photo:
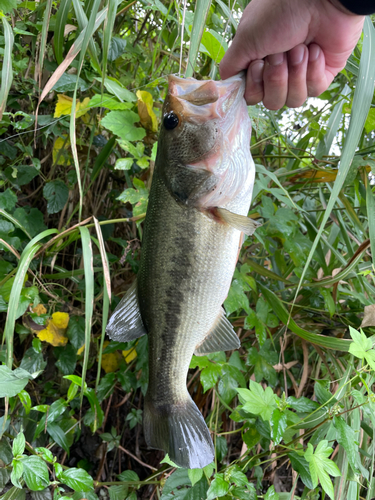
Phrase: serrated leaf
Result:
[319,464]
[218,488]
[258,401]
[56,193]
[122,123]
[348,439]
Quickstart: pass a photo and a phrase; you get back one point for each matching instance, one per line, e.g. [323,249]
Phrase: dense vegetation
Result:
[291,412]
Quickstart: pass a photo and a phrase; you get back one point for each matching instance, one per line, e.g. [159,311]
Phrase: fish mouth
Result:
[214,99]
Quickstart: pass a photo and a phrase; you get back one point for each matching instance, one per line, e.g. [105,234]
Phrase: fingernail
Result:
[276,59]
[256,72]
[314,51]
[297,55]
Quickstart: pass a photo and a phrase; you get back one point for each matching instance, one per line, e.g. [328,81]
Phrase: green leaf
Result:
[8,5]
[303,404]
[109,102]
[278,425]
[258,401]
[12,382]
[45,454]
[210,375]
[300,465]
[122,123]
[76,331]
[19,444]
[320,466]
[67,83]
[58,435]
[35,473]
[118,492]
[271,494]
[128,475]
[195,475]
[218,488]
[16,473]
[214,45]
[56,193]
[8,200]
[348,439]
[67,359]
[77,479]
[6,454]
[116,48]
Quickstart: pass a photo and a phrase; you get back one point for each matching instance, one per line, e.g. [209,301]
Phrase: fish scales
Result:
[199,198]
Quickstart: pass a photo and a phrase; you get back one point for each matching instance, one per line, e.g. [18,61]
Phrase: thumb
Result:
[239,55]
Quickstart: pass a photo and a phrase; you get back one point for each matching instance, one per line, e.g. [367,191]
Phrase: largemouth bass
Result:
[199,199]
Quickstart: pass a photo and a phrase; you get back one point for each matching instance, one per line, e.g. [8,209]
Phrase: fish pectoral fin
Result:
[240,222]
[221,337]
[126,323]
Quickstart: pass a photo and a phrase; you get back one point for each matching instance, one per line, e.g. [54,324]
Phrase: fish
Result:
[197,214]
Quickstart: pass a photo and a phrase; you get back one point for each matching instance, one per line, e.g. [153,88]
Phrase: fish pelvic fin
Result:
[180,431]
[126,323]
[222,337]
[240,222]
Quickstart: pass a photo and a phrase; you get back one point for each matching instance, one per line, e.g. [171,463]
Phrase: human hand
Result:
[291,49]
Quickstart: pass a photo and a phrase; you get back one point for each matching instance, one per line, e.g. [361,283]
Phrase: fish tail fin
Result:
[180,431]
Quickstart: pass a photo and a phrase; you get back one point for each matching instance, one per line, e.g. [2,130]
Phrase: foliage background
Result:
[292,412]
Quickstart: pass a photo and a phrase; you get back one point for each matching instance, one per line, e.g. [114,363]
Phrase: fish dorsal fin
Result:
[240,222]
[222,337]
[126,323]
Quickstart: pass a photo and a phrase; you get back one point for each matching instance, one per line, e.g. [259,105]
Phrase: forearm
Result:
[359,7]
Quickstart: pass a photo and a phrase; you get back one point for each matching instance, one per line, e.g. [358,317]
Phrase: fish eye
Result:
[170,120]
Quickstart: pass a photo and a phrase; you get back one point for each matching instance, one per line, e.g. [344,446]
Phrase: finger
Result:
[254,82]
[297,66]
[316,77]
[275,80]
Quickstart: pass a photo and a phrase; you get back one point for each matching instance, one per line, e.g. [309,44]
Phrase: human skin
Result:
[291,49]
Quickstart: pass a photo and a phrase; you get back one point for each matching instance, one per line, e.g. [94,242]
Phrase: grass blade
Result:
[370,202]
[325,144]
[89,31]
[42,48]
[7,71]
[73,52]
[84,23]
[107,32]
[27,255]
[89,297]
[15,222]
[314,338]
[361,104]
[61,19]
[200,15]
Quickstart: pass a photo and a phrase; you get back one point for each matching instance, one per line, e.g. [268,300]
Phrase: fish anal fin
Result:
[221,337]
[126,323]
[240,222]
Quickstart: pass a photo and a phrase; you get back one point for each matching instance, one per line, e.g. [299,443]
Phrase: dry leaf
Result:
[54,332]
[60,152]
[40,309]
[369,316]
[111,361]
[64,106]
[145,111]
[130,354]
